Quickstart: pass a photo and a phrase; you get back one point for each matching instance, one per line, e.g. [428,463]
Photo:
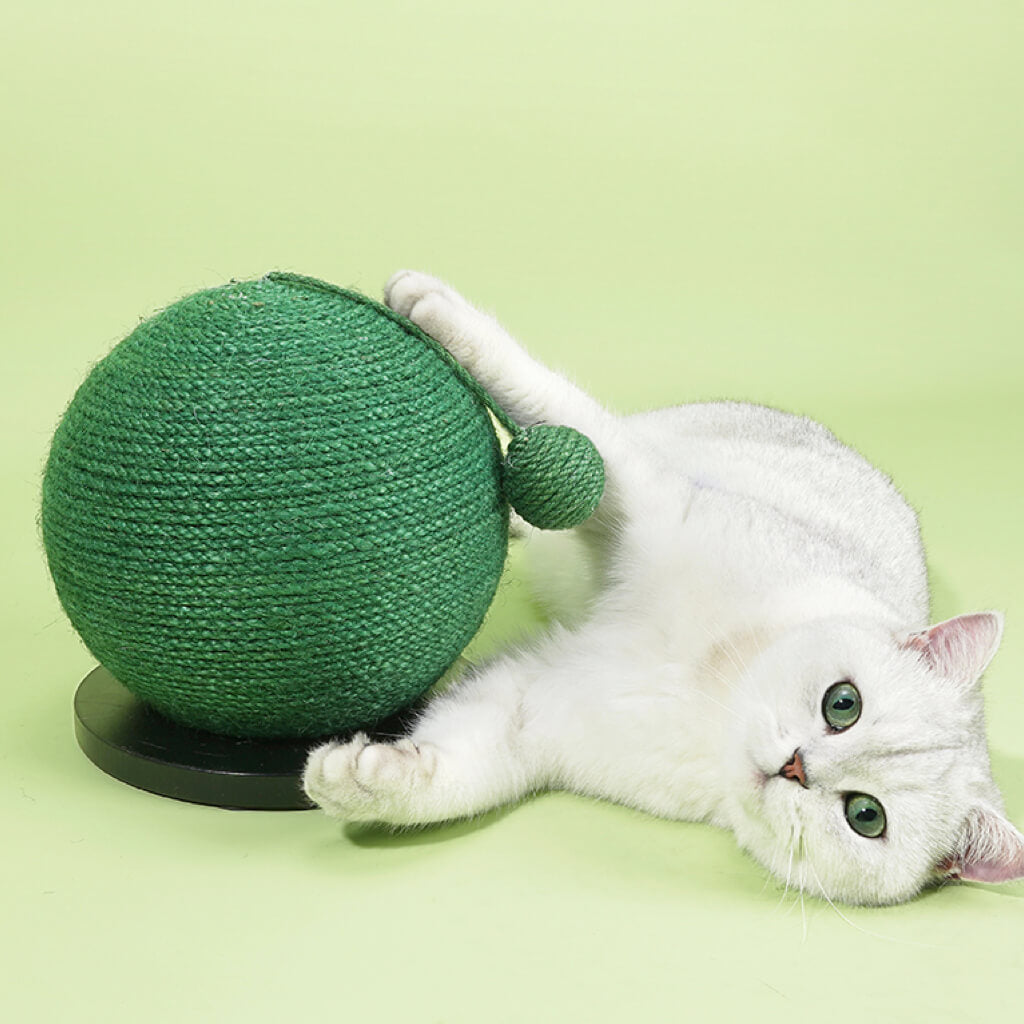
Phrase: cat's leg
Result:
[467,754]
[526,389]
[532,393]
[573,714]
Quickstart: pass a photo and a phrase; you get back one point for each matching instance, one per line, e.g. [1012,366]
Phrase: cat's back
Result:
[810,489]
[741,424]
[762,452]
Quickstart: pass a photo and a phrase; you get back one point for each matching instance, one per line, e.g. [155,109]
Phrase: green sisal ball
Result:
[276,510]
[554,476]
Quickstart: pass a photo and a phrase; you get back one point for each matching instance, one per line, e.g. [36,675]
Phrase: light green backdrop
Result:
[812,204]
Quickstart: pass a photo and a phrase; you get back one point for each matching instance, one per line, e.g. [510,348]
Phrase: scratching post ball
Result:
[278,509]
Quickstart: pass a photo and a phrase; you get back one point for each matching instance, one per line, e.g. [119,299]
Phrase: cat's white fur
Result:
[745,560]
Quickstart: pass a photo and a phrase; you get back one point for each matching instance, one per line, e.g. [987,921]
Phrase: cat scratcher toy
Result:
[278,511]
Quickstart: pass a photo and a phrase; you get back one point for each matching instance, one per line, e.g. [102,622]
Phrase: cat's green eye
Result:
[841,706]
[865,815]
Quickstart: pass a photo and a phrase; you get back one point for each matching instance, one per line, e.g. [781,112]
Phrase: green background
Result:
[812,204]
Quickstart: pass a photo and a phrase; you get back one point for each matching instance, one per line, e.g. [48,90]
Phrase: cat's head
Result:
[858,763]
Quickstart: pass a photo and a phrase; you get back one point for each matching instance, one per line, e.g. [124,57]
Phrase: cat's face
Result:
[885,783]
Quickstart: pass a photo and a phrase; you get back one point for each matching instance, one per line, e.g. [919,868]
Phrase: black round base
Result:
[134,743]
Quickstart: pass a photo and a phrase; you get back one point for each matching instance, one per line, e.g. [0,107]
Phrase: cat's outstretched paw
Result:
[408,289]
[364,781]
[438,310]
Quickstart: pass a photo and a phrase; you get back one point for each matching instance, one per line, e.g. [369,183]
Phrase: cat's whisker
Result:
[756,637]
[719,676]
[725,707]
[803,910]
[866,931]
[794,903]
[734,655]
[720,640]
[727,679]
[789,871]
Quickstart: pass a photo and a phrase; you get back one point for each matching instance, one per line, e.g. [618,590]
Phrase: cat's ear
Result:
[960,648]
[990,850]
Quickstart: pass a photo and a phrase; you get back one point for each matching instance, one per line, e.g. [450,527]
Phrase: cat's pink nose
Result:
[794,769]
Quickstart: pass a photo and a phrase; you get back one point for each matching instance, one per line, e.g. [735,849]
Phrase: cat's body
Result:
[745,563]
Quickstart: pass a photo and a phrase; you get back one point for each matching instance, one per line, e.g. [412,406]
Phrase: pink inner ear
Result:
[987,871]
[960,648]
[993,850]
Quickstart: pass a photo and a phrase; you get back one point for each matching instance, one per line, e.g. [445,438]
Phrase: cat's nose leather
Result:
[794,769]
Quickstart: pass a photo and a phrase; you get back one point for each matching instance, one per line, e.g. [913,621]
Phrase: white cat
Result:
[757,655]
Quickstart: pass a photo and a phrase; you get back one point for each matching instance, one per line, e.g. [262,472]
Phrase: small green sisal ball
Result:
[553,476]
[275,510]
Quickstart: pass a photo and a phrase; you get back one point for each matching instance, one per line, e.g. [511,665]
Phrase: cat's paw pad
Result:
[364,781]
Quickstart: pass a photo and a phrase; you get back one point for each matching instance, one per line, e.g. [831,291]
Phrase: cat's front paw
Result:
[408,289]
[364,781]
[434,307]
